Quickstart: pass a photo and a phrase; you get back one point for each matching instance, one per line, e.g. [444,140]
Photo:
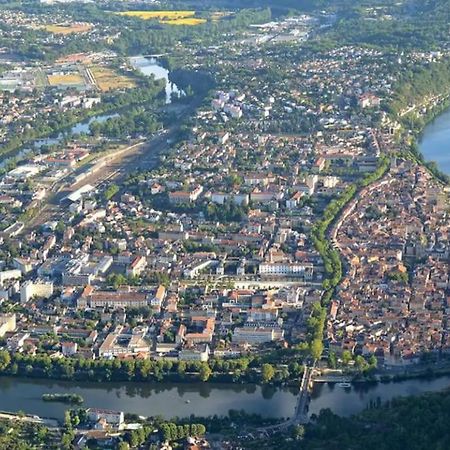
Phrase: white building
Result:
[38,288]
[7,323]
[286,270]
[115,418]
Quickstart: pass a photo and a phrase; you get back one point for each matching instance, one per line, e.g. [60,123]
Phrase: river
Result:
[202,399]
[166,399]
[150,67]
[434,143]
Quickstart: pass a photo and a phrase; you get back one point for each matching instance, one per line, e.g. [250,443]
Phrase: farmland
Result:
[167,17]
[160,15]
[190,21]
[107,79]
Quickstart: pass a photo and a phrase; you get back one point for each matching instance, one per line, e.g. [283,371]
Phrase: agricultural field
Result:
[107,79]
[66,79]
[190,21]
[167,17]
[68,29]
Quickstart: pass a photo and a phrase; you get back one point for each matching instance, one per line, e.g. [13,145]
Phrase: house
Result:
[369,100]
[7,323]
[69,348]
[158,298]
[137,266]
[189,196]
[113,418]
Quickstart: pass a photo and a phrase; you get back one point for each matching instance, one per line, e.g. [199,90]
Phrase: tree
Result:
[361,363]
[204,372]
[298,432]
[181,369]
[267,372]
[201,429]
[332,361]
[346,357]
[373,362]
[123,446]
[5,359]
[316,348]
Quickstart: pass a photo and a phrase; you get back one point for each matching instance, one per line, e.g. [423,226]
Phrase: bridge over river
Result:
[301,408]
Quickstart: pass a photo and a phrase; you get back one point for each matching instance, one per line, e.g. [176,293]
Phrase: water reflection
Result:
[150,67]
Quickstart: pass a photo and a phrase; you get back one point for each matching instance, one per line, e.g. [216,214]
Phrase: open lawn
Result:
[65,79]
[68,29]
[107,79]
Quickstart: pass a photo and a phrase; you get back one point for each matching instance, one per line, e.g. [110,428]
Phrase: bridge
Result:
[300,416]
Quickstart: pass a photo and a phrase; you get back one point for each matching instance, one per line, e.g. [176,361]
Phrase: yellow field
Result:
[107,79]
[162,15]
[70,78]
[68,29]
[191,21]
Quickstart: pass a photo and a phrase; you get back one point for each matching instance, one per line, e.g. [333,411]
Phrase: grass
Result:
[68,29]
[65,79]
[107,79]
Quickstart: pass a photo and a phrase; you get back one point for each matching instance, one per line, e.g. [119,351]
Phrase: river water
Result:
[202,399]
[150,67]
[434,143]
[148,399]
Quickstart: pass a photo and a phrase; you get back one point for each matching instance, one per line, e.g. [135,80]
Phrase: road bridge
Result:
[301,408]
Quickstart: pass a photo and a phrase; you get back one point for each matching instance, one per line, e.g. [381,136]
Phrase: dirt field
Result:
[69,79]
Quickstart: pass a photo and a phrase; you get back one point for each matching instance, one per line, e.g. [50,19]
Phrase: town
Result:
[240,210]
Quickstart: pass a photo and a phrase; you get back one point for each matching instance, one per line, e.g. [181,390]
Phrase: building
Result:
[114,418]
[7,323]
[137,266]
[6,275]
[158,298]
[257,334]
[286,270]
[112,299]
[39,288]
[69,348]
[185,197]
[199,353]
